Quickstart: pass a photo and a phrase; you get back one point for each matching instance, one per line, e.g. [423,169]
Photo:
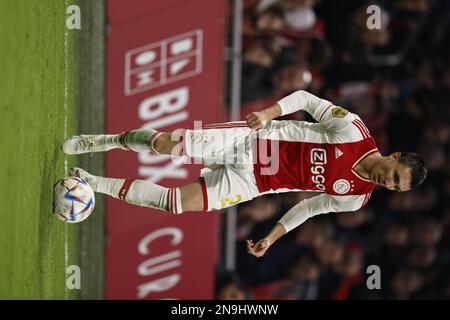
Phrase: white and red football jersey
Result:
[318,157]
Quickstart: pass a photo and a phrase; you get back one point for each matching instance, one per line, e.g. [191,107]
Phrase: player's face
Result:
[391,174]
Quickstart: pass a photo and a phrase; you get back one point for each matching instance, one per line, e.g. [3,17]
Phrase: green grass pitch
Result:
[37,95]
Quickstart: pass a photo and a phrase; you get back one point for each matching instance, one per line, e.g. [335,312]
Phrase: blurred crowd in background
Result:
[397,79]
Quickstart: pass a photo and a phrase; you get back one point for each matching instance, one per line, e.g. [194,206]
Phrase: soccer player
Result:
[336,156]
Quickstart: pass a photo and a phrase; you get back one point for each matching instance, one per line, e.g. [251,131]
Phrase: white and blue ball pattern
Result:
[73,199]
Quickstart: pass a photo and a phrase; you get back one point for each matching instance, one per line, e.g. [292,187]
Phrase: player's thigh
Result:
[192,198]
[227,186]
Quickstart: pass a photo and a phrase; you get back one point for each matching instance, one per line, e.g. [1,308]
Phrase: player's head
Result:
[401,171]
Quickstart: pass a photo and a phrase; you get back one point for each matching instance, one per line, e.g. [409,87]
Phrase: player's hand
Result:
[258,249]
[256,120]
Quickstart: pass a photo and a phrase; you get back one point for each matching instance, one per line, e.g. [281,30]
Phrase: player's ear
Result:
[396,155]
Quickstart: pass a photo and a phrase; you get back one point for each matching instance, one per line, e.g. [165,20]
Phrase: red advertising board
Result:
[118,11]
[164,71]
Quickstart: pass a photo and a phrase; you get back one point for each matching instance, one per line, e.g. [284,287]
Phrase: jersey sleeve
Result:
[321,204]
[333,118]
[306,209]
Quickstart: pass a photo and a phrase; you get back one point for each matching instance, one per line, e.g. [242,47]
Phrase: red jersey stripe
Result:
[363,126]
[364,135]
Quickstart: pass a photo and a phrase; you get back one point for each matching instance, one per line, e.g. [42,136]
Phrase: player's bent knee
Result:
[164,143]
[159,143]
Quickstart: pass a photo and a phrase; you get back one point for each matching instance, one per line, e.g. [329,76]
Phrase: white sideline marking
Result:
[66,71]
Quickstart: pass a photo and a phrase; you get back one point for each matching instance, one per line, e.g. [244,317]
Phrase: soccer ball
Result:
[73,199]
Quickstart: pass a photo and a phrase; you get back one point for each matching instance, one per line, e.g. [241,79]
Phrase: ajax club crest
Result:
[341,186]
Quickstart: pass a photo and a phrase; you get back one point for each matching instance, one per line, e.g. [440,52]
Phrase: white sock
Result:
[139,192]
[111,141]
[139,140]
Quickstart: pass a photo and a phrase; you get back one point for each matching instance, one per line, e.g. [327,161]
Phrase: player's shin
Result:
[139,140]
[142,193]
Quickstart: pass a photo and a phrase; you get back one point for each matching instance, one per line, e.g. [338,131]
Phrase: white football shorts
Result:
[225,151]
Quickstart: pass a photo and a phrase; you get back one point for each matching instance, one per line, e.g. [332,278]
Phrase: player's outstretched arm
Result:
[293,218]
[303,100]
[260,248]
[299,100]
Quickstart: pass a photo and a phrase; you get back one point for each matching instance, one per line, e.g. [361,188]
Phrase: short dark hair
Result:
[418,167]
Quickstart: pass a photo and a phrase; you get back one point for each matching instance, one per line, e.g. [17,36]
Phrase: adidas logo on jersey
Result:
[338,152]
